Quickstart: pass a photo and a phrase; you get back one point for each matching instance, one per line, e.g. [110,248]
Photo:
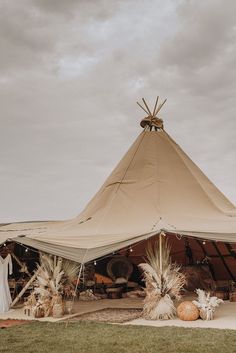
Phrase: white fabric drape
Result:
[5,295]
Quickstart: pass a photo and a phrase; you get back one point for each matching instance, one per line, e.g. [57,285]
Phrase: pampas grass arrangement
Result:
[163,280]
[53,275]
[206,304]
[49,276]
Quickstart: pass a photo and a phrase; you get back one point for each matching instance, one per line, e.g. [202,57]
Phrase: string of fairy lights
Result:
[128,248]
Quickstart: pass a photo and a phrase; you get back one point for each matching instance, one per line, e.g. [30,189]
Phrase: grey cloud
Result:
[90,9]
[23,40]
[205,31]
[70,76]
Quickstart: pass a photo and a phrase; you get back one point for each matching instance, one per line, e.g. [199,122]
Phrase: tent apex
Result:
[151,120]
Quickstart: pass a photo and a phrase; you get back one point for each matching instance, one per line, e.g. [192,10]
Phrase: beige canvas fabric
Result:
[155,187]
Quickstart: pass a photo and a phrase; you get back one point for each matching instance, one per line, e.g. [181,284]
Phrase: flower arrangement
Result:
[164,282]
[54,277]
[206,304]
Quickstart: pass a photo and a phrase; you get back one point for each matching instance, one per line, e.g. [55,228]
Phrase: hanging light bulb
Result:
[26,250]
[95,263]
[130,249]
[204,242]
[4,244]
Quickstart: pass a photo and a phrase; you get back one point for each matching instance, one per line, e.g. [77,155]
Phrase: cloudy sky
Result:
[70,74]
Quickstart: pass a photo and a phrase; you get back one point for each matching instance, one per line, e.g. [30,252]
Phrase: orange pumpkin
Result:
[187,311]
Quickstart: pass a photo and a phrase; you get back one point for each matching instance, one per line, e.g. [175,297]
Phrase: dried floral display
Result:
[206,304]
[54,277]
[164,282]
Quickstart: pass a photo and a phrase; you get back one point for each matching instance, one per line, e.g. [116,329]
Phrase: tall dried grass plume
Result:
[54,278]
[163,280]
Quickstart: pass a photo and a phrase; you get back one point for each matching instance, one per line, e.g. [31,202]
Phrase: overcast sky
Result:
[70,74]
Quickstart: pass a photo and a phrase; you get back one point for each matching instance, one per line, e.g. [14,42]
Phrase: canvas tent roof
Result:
[155,187]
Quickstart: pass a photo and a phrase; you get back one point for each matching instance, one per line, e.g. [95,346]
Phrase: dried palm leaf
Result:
[57,268]
[71,269]
[47,264]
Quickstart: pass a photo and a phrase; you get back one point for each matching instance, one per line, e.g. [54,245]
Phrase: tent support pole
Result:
[77,282]
[160,249]
[20,263]
[17,298]
[223,260]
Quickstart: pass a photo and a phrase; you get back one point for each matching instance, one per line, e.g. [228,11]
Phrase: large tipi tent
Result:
[154,188]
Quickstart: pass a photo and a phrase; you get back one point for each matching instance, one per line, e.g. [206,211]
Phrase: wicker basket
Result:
[69,307]
[221,294]
[57,310]
[232,296]
[57,306]
[38,312]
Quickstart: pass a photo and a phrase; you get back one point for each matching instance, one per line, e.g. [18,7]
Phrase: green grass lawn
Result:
[87,337]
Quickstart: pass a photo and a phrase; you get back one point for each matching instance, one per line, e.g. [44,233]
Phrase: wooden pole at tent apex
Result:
[156,109]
